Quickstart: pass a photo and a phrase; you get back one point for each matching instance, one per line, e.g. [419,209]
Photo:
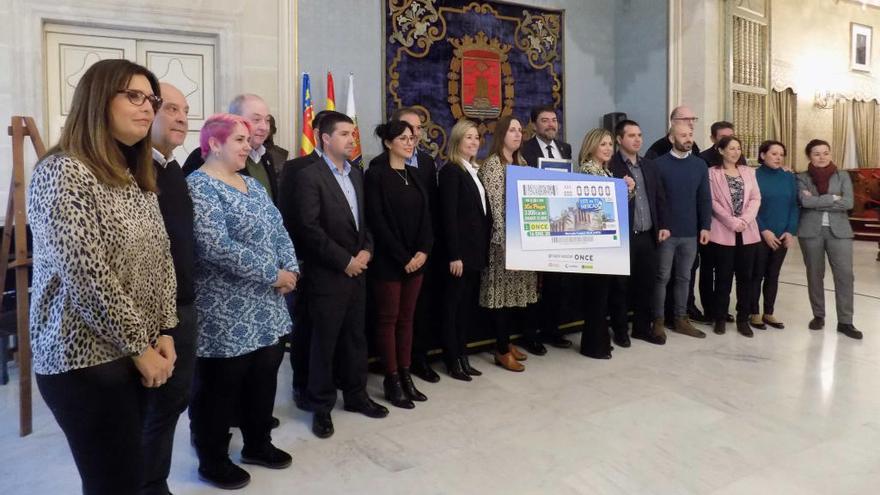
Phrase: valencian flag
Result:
[356,157]
[307,140]
[331,92]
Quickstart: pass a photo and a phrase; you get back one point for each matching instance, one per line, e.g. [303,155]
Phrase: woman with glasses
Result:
[103,280]
[397,210]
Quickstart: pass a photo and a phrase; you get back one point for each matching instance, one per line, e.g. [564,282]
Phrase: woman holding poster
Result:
[505,292]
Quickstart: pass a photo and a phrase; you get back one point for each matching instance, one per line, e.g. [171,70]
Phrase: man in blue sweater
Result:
[689,215]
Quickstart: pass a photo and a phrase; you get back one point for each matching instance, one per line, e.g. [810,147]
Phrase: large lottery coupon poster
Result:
[562,222]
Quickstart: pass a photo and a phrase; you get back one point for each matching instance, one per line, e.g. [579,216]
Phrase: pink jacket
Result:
[724,224]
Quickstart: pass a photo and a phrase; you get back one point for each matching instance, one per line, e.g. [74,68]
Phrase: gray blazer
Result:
[813,206]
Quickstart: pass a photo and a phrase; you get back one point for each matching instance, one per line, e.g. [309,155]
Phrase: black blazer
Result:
[391,253]
[195,160]
[663,146]
[531,151]
[653,186]
[465,230]
[324,227]
[287,188]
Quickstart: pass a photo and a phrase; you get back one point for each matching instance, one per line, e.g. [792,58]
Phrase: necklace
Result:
[402,176]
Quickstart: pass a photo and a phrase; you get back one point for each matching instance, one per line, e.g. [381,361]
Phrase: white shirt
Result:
[552,144]
[162,159]
[679,154]
[473,171]
[257,154]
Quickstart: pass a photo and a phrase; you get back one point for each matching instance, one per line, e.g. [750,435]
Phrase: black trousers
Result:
[555,288]
[637,290]
[100,409]
[768,264]
[426,320]
[225,389]
[300,337]
[708,276]
[595,339]
[338,351]
[460,297]
[735,260]
[506,321]
[166,403]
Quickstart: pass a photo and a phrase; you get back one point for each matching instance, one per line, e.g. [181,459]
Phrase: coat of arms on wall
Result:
[493,58]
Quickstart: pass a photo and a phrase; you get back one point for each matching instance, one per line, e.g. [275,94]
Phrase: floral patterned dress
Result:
[499,287]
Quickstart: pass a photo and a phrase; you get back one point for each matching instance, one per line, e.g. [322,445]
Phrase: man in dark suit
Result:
[259,164]
[544,144]
[426,324]
[647,227]
[297,301]
[336,247]
[554,286]
[681,114]
[164,404]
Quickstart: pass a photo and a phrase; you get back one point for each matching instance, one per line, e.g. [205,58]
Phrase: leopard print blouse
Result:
[103,279]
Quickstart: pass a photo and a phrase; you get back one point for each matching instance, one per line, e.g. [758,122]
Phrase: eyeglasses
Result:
[137,98]
[687,119]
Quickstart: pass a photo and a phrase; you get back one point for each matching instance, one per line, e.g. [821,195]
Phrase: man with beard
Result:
[688,215]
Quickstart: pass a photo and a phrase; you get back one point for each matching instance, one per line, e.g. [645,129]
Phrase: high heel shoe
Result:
[508,362]
[394,392]
[409,388]
[454,369]
[466,366]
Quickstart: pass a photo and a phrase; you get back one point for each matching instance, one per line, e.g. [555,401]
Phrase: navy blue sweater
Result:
[688,200]
[779,206]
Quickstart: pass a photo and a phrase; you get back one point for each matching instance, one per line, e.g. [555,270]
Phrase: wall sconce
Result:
[825,99]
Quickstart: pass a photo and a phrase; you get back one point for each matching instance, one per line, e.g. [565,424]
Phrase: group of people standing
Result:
[158,287]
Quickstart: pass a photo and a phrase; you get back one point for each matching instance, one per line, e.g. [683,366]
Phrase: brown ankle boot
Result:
[659,330]
[508,362]
[684,327]
[517,354]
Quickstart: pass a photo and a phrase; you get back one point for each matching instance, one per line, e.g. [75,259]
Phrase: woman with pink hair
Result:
[245,263]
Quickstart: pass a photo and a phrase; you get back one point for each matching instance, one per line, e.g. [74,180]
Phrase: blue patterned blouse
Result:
[241,244]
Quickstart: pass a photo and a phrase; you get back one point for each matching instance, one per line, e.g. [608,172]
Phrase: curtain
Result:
[840,133]
[866,127]
[783,122]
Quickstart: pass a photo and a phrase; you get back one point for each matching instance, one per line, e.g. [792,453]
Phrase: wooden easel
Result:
[16,224]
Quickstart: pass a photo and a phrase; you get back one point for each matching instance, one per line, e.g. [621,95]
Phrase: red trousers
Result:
[395,307]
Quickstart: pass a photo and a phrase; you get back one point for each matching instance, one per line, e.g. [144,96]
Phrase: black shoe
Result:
[275,423]
[622,339]
[533,346]
[466,366]
[556,340]
[454,369]
[394,392]
[322,425]
[730,318]
[368,408]
[267,456]
[744,329]
[224,475]
[423,370]
[817,323]
[601,355]
[849,330]
[720,327]
[409,388]
[696,315]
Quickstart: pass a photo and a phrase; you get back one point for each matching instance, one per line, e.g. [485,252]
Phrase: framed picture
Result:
[556,164]
[860,47]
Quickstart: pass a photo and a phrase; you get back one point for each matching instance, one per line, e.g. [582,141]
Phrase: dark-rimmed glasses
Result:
[137,98]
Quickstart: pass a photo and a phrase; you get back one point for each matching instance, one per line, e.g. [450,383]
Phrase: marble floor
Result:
[789,412]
